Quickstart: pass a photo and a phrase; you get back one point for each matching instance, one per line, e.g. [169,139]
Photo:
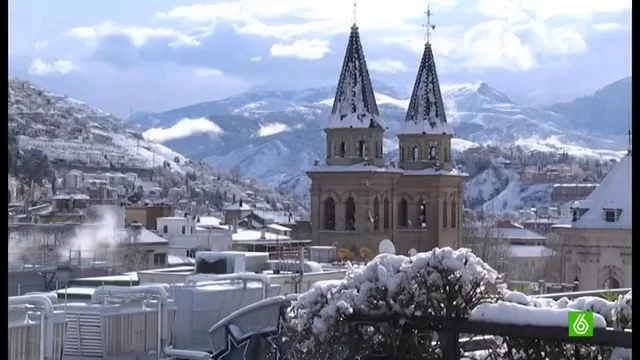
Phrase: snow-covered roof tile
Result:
[355,104]
[612,196]
[426,109]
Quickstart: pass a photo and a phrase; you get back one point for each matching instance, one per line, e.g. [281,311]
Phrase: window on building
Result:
[574,215]
[350,215]
[329,214]
[159,259]
[401,153]
[415,154]
[376,214]
[445,213]
[387,213]
[454,214]
[403,213]
[165,229]
[378,150]
[612,215]
[611,283]
[184,229]
[422,215]
[362,149]
[191,253]
[343,149]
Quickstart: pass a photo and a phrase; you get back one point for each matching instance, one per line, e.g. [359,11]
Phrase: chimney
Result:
[290,215]
[234,226]
[240,203]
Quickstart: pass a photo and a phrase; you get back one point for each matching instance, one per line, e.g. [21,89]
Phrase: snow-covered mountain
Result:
[605,111]
[75,135]
[275,135]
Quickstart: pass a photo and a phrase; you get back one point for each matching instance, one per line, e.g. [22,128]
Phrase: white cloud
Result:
[204,72]
[609,27]
[313,49]
[138,35]
[256,58]
[518,10]
[320,18]
[492,45]
[40,45]
[272,129]
[387,66]
[41,68]
[183,128]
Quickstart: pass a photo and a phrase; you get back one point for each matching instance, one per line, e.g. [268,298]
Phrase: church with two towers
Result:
[358,199]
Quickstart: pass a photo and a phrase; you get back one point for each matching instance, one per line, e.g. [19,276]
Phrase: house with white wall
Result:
[597,234]
[186,235]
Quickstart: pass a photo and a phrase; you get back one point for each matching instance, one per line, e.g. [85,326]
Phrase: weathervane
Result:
[429,25]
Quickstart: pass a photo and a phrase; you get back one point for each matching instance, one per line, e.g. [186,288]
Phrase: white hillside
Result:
[75,135]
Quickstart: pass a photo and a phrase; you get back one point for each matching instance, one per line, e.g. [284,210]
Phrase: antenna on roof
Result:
[429,26]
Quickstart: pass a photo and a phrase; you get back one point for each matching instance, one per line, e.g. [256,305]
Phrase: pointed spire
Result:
[426,109]
[354,105]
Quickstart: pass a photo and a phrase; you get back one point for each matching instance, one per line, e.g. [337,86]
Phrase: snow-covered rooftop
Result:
[355,104]
[509,234]
[609,205]
[238,206]
[425,114]
[251,235]
[529,251]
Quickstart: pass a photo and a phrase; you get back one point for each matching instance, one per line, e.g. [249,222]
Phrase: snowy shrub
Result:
[396,307]
[394,289]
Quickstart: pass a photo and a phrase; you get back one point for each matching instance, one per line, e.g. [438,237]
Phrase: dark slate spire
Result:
[426,109]
[354,105]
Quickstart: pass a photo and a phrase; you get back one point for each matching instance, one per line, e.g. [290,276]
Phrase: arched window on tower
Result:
[415,154]
[376,214]
[387,214]
[329,214]
[454,213]
[611,283]
[343,149]
[362,149]
[403,213]
[350,215]
[422,214]
[445,213]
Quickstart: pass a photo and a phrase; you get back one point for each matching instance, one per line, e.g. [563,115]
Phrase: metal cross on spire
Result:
[429,26]
[355,5]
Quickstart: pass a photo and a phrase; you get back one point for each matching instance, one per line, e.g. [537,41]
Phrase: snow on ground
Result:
[153,154]
[554,145]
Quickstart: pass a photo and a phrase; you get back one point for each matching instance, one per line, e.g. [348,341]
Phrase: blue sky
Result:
[155,55]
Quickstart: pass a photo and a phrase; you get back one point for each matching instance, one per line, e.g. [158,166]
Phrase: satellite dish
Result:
[413,252]
[386,247]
